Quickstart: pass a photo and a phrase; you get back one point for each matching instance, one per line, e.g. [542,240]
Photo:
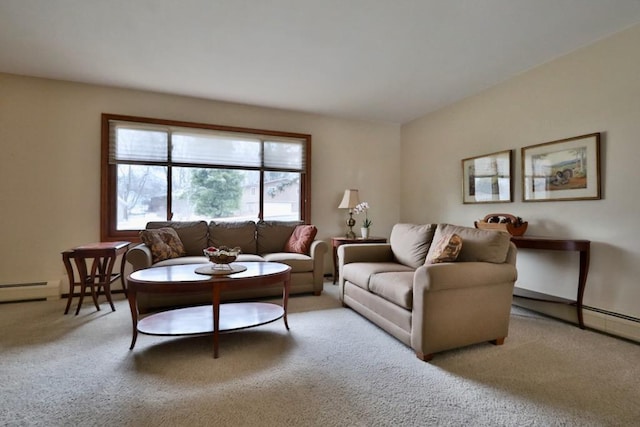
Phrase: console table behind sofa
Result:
[543,243]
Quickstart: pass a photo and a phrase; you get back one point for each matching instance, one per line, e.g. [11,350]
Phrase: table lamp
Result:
[349,201]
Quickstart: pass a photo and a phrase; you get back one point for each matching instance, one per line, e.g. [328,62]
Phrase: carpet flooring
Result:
[333,368]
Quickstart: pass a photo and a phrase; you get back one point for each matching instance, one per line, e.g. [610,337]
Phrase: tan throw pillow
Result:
[479,245]
[301,239]
[446,250]
[164,243]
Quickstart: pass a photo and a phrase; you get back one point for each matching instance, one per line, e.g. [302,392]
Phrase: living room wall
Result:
[50,165]
[594,89]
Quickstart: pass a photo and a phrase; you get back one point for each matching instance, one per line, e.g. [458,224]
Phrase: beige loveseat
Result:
[432,307]
[259,241]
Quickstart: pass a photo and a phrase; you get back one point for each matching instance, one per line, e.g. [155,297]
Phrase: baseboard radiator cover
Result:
[617,324]
[609,322]
[36,291]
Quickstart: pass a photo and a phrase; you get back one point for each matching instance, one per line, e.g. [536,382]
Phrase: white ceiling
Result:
[380,60]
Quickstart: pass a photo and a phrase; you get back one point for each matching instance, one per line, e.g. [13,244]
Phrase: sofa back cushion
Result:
[193,234]
[273,235]
[410,243]
[232,234]
[477,245]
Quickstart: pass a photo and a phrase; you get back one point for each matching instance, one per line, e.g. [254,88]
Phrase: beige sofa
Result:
[259,241]
[432,307]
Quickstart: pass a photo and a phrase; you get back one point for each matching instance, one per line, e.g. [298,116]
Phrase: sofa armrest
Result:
[318,252]
[364,252]
[318,249]
[139,257]
[470,302]
[456,275]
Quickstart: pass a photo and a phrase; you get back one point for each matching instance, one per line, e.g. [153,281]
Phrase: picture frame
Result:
[567,169]
[488,178]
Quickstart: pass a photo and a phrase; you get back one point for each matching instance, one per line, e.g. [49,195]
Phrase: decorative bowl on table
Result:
[511,224]
[222,256]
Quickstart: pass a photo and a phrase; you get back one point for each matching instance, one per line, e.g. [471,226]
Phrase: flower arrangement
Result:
[363,208]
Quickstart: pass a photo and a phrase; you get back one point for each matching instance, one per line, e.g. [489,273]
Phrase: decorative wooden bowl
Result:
[502,222]
[222,255]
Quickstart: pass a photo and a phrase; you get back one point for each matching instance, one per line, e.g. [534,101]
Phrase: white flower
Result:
[363,207]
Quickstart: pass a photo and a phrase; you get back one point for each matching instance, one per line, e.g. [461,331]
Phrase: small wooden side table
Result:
[102,257]
[338,241]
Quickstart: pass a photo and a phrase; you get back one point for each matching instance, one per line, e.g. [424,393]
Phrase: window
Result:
[158,170]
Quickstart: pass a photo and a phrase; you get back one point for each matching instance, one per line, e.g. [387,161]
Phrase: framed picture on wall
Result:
[488,178]
[567,169]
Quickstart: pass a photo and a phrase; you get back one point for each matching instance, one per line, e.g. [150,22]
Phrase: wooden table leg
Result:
[285,301]
[216,319]
[133,305]
[582,282]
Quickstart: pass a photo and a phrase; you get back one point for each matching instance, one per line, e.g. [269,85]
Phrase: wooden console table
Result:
[543,243]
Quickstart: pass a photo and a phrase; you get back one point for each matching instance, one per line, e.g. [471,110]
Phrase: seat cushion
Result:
[233,233]
[359,273]
[477,245]
[193,234]
[410,243]
[395,287]
[182,260]
[299,263]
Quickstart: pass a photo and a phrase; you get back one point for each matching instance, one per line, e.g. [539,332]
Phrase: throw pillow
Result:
[164,243]
[301,239]
[446,250]
[479,245]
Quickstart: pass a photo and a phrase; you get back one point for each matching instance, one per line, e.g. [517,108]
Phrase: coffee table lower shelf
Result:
[199,320]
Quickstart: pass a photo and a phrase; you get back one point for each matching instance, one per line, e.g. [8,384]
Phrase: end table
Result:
[102,257]
[338,241]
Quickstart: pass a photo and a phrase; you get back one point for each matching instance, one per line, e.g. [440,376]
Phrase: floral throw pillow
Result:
[164,243]
[446,250]
[301,239]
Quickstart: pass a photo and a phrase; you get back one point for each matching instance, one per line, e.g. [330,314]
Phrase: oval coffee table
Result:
[214,318]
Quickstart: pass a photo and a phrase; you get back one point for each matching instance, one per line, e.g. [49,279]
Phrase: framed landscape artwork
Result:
[488,178]
[568,169]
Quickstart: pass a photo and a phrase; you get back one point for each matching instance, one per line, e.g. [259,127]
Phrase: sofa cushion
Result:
[360,273]
[273,235]
[163,242]
[193,234]
[299,263]
[395,287]
[478,245]
[301,239]
[182,261]
[446,250]
[232,234]
[410,243]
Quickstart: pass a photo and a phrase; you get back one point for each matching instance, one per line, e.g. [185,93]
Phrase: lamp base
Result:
[350,223]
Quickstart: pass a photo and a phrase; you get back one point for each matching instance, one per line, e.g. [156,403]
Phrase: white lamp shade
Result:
[350,199]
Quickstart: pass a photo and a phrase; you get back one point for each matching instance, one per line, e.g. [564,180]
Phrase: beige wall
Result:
[595,89]
[50,164]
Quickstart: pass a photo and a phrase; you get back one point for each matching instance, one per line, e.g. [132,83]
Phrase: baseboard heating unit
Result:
[38,291]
